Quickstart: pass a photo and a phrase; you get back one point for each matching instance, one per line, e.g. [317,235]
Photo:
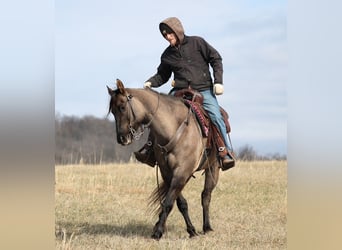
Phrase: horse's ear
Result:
[110,91]
[120,87]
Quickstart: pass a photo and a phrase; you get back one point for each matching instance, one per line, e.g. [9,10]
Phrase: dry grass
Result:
[106,207]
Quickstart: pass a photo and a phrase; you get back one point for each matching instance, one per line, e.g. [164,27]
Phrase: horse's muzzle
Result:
[124,140]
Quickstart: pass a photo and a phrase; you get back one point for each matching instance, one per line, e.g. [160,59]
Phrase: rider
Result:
[188,58]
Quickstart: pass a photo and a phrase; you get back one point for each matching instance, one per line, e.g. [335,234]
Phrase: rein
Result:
[172,143]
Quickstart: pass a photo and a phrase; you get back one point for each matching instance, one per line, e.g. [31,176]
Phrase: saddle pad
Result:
[201,117]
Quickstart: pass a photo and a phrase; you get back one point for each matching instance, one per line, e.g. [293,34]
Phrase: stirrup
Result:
[146,155]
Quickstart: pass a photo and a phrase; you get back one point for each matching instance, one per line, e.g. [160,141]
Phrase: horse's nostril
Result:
[122,138]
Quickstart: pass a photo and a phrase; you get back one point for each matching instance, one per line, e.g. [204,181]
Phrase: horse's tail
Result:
[157,197]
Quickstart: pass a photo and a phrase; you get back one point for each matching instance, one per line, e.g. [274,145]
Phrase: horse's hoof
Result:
[193,234]
[207,230]
[157,235]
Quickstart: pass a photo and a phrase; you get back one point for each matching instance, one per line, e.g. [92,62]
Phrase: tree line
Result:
[91,140]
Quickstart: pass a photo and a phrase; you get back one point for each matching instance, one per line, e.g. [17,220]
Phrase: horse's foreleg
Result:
[176,187]
[182,205]
[211,178]
[166,206]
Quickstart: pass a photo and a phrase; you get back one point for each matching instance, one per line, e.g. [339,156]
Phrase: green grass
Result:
[106,207]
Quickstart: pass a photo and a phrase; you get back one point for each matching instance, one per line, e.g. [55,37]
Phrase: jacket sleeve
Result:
[212,56]
[162,76]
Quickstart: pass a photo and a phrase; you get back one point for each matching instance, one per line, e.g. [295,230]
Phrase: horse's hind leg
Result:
[182,205]
[211,178]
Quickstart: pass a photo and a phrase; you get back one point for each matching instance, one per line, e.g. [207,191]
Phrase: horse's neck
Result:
[166,114]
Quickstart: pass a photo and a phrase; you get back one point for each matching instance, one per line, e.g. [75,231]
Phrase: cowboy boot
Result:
[227,158]
[146,154]
[228,161]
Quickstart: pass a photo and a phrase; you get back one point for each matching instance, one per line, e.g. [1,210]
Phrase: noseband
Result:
[136,134]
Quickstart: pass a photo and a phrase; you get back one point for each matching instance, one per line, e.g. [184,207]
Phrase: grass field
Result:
[106,207]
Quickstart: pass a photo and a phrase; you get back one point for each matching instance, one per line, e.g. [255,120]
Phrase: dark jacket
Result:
[189,61]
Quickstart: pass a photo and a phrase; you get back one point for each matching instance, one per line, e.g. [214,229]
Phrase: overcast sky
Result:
[99,41]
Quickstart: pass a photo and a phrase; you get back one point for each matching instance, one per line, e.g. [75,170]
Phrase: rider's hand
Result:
[218,89]
[147,85]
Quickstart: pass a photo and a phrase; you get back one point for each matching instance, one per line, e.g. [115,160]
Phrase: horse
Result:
[178,143]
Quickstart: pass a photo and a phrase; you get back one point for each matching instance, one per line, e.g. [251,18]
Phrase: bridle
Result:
[136,134]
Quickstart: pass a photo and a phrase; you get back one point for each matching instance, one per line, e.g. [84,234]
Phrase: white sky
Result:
[99,41]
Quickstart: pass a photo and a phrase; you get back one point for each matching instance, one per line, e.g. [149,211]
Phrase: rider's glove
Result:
[147,85]
[218,88]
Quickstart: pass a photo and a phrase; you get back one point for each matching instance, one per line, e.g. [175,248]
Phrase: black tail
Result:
[157,197]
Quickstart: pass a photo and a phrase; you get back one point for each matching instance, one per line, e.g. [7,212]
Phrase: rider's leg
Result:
[211,105]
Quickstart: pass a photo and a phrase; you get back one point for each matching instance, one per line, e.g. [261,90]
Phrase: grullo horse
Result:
[178,144]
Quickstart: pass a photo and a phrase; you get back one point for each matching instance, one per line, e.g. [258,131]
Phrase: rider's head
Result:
[172,30]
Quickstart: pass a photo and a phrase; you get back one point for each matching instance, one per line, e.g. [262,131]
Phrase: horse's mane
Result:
[163,94]
[111,101]
[168,97]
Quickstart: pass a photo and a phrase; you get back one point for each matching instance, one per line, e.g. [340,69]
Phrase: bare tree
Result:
[246,153]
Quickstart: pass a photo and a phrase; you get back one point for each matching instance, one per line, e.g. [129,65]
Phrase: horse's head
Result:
[126,120]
